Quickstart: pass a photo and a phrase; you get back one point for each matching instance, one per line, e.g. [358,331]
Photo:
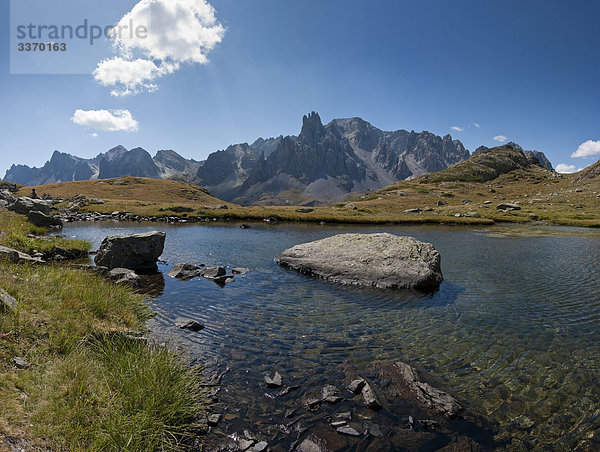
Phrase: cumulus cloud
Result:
[108,120]
[500,138]
[476,125]
[587,149]
[457,128]
[565,168]
[154,39]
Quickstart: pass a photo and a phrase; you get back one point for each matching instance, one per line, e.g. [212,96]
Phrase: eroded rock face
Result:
[379,260]
[137,252]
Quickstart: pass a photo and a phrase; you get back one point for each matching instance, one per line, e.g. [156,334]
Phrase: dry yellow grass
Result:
[543,195]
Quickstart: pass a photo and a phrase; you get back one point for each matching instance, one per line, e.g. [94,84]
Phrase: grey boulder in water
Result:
[138,252]
[380,260]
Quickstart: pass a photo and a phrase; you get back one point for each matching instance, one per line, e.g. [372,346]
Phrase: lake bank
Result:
[75,368]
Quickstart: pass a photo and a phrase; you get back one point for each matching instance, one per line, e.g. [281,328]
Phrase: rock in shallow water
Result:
[379,260]
[137,252]
[275,382]
[184,271]
[188,324]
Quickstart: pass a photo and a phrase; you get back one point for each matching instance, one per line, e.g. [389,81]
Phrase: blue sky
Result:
[527,71]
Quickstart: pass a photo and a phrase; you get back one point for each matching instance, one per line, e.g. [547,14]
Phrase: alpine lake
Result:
[513,332]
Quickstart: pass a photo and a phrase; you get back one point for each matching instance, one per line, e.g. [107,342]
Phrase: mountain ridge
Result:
[323,163]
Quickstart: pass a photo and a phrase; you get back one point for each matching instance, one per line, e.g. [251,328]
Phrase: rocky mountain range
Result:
[116,162]
[324,163]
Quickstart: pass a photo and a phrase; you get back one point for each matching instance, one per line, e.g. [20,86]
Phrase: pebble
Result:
[347,431]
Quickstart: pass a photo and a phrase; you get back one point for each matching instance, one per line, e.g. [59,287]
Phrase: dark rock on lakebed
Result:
[188,324]
[137,252]
[409,417]
[378,260]
[274,382]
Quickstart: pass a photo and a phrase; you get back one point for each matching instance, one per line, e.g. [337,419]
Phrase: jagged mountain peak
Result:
[312,128]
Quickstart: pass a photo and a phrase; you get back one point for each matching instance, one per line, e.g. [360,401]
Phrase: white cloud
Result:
[587,149]
[500,138]
[565,168]
[171,33]
[457,129]
[111,121]
[131,76]
[476,125]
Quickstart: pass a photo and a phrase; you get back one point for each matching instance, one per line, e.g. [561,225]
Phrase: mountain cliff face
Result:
[326,162]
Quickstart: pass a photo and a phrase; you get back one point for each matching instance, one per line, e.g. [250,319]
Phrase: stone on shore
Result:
[508,206]
[24,205]
[137,252]
[42,220]
[124,276]
[17,257]
[378,260]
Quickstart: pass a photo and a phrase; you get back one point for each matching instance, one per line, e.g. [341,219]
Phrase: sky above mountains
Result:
[206,75]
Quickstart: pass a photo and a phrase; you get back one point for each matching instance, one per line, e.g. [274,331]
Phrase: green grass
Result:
[120,394]
[21,235]
[90,386]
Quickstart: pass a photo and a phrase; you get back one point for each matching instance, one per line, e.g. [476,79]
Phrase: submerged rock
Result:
[137,252]
[331,394]
[188,324]
[409,384]
[275,382]
[212,272]
[379,260]
[184,272]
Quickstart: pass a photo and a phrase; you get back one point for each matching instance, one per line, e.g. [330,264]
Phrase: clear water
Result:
[514,329]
